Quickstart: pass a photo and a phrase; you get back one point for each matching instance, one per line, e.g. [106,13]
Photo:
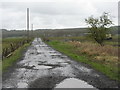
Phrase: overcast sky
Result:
[54,13]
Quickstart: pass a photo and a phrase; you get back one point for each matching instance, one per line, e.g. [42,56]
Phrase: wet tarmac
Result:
[44,67]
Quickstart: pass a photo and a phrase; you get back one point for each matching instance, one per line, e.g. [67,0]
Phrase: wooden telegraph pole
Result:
[28,24]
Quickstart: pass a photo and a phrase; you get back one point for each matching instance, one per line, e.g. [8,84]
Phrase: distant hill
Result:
[54,32]
[62,32]
[45,32]
[115,30]
[13,33]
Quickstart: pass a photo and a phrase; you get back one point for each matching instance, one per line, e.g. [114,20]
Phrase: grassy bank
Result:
[109,68]
[7,41]
[9,45]
[16,55]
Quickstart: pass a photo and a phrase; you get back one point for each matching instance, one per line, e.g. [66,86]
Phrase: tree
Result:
[99,27]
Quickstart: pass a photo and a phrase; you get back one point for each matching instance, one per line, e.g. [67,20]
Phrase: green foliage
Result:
[99,27]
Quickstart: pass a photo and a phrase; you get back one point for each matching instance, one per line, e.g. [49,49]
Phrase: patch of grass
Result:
[16,55]
[80,38]
[72,52]
[87,38]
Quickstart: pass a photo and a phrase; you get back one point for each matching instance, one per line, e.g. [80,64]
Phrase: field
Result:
[12,49]
[6,42]
[0,48]
[9,45]
[83,49]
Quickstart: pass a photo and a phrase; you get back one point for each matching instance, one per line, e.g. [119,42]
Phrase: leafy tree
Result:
[99,27]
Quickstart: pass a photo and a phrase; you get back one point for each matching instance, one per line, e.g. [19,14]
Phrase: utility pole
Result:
[28,23]
[31,26]
[32,30]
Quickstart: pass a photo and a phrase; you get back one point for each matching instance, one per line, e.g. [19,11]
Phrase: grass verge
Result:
[69,50]
[17,54]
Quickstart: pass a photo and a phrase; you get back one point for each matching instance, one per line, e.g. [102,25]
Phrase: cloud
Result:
[59,0]
[54,14]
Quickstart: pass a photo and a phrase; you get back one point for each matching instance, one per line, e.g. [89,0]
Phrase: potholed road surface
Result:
[44,67]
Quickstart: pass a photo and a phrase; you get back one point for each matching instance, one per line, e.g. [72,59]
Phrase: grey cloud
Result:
[53,14]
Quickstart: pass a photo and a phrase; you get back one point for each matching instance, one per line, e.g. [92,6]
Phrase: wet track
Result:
[44,67]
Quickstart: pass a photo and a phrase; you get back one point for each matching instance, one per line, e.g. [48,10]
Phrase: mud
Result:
[44,67]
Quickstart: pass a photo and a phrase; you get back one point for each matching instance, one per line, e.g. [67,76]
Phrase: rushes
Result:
[12,44]
[105,53]
[95,49]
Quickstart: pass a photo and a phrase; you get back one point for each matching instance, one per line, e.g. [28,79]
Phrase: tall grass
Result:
[106,52]
[99,50]
[6,42]
[11,44]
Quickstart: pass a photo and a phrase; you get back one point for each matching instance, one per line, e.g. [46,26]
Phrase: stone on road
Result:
[44,67]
